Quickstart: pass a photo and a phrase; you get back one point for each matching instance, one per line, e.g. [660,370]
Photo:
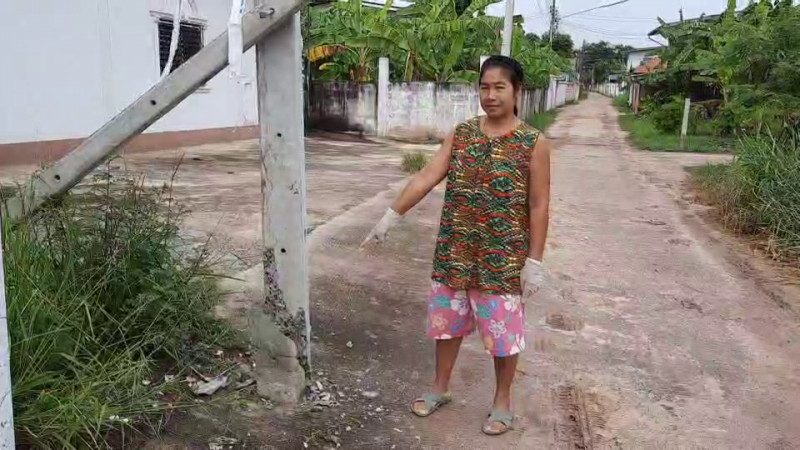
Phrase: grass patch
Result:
[759,193]
[414,162]
[103,299]
[621,101]
[542,121]
[646,136]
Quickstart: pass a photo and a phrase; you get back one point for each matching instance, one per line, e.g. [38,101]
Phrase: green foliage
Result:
[414,162]
[562,44]
[621,101]
[751,60]
[462,5]
[646,136]
[601,59]
[759,193]
[539,61]
[668,117]
[102,297]
[543,120]
[433,40]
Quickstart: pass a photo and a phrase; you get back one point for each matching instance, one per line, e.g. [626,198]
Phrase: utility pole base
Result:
[278,373]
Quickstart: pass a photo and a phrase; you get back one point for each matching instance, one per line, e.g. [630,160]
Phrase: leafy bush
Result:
[668,117]
[414,162]
[646,136]
[621,101]
[102,298]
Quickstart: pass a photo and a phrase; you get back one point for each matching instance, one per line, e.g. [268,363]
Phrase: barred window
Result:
[190,41]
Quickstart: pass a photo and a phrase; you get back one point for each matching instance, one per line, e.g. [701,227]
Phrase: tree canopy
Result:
[750,59]
[432,40]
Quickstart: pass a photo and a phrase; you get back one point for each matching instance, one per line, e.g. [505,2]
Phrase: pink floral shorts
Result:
[500,319]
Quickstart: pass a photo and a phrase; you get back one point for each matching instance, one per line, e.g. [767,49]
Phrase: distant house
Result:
[635,57]
[647,66]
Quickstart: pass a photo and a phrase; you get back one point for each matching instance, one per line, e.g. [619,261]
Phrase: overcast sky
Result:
[627,24]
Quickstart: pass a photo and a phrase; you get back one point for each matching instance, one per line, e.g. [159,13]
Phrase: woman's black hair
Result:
[510,66]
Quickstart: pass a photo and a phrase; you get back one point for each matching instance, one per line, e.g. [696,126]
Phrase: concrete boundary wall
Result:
[416,111]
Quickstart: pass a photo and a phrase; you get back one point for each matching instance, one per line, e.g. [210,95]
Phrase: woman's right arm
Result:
[427,179]
[416,189]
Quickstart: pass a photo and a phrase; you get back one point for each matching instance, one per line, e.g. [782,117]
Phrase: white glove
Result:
[532,277]
[378,234]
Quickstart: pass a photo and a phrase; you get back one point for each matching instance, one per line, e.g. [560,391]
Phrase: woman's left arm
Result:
[539,197]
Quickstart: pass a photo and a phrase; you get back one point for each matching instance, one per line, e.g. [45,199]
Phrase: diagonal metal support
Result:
[147,109]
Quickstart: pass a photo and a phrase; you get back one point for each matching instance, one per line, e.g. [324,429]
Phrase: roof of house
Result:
[644,50]
[648,66]
[702,18]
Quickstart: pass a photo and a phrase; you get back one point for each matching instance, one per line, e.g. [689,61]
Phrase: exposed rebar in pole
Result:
[508,29]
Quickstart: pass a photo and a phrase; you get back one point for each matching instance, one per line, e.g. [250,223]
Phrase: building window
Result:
[190,41]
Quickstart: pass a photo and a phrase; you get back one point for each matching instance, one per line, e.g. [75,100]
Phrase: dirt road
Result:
[658,333]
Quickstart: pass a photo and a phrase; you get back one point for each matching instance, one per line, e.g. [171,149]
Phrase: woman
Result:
[491,237]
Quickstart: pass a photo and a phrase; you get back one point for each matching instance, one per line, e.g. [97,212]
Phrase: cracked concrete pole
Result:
[281,330]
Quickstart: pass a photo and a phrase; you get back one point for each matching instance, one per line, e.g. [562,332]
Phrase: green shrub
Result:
[646,136]
[102,298]
[668,117]
[621,101]
[414,162]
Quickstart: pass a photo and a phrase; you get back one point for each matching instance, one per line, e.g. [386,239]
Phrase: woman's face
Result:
[498,95]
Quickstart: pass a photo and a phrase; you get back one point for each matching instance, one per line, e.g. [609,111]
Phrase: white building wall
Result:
[72,65]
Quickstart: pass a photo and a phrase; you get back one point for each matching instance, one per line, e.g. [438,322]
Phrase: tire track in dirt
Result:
[580,419]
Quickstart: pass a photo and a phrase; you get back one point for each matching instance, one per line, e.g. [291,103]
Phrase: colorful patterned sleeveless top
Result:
[484,234]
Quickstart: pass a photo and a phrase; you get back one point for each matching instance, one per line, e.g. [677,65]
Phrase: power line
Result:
[606,33]
[614,19]
[619,2]
[541,7]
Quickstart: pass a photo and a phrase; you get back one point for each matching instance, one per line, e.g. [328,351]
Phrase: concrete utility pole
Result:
[553,21]
[508,29]
[283,183]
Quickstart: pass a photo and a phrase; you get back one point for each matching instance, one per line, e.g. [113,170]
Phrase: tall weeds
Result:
[103,297]
[760,191]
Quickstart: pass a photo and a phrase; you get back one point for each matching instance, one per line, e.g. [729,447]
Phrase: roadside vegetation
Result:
[748,64]
[542,121]
[759,193]
[653,132]
[432,40]
[414,162]
[107,306]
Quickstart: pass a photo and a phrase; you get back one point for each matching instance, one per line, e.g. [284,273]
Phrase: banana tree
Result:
[344,40]
[432,39]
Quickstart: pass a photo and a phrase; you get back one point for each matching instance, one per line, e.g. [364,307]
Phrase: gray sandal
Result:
[432,403]
[506,418]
